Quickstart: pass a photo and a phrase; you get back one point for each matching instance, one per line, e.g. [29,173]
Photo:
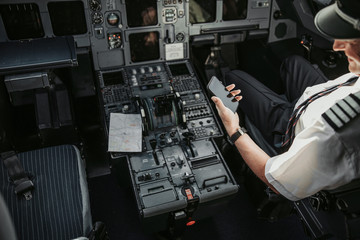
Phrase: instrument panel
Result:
[130,32]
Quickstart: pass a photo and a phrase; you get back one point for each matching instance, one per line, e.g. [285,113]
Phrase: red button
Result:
[190,223]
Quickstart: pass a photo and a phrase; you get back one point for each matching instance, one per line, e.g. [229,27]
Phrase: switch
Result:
[147,176]
[197,96]
[181,13]
[179,215]
[188,194]
[99,32]
[180,161]
[125,108]
[134,81]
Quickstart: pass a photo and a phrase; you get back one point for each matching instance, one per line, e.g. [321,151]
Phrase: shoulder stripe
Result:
[353,104]
[332,119]
[347,109]
[343,111]
[340,113]
[356,97]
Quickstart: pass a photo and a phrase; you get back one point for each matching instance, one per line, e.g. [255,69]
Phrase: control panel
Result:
[180,165]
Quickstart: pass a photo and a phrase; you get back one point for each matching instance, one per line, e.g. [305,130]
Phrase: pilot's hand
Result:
[235,92]
[229,119]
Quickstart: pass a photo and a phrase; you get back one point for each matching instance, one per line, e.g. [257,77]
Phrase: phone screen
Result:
[218,89]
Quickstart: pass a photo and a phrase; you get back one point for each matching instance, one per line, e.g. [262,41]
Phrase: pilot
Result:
[314,156]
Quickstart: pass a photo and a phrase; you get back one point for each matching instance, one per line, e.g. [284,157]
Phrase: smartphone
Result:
[218,89]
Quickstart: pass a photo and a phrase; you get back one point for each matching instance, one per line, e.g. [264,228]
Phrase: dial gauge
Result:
[95,5]
[113,19]
[97,18]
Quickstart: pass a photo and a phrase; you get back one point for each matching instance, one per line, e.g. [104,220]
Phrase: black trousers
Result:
[267,110]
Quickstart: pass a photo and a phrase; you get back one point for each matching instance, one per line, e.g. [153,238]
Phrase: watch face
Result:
[241,131]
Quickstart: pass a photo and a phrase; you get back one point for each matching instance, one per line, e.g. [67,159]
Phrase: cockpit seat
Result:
[59,207]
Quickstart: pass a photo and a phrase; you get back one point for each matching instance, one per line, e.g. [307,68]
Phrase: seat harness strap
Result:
[23,185]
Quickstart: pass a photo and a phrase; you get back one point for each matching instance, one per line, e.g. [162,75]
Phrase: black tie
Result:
[290,132]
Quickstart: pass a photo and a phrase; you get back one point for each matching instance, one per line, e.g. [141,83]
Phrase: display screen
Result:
[67,18]
[202,11]
[179,69]
[22,21]
[113,78]
[141,12]
[144,46]
[234,9]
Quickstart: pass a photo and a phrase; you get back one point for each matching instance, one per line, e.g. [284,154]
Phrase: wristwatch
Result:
[241,131]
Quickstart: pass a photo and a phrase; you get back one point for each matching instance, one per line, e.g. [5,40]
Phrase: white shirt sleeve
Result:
[316,160]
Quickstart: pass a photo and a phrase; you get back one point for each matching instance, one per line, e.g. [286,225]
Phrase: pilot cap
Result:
[340,20]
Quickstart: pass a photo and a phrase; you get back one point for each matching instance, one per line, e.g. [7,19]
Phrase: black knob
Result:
[153,143]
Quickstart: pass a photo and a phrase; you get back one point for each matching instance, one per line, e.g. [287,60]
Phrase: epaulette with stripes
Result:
[343,112]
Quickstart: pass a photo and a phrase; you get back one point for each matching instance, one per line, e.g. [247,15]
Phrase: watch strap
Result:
[241,131]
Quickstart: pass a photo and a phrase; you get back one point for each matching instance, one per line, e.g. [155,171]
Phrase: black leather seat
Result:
[60,206]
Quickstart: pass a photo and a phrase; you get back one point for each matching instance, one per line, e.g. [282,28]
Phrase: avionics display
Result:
[202,11]
[141,12]
[22,21]
[179,69]
[67,18]
[144,46]
[234,9]
[113,78]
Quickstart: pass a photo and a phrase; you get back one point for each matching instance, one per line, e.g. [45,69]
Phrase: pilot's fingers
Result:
[238,98]
[230,87]
[219,104]
[235,92]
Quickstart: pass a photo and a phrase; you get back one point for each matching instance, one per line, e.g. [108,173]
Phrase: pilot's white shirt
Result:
[316,159]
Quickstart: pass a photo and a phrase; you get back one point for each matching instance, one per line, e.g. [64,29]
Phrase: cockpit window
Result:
[141,12]
[202,11]
[67,18]
[22,21]
[144,46]
[234,9]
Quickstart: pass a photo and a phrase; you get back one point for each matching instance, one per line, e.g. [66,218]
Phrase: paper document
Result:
[174,51]
[125,133]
